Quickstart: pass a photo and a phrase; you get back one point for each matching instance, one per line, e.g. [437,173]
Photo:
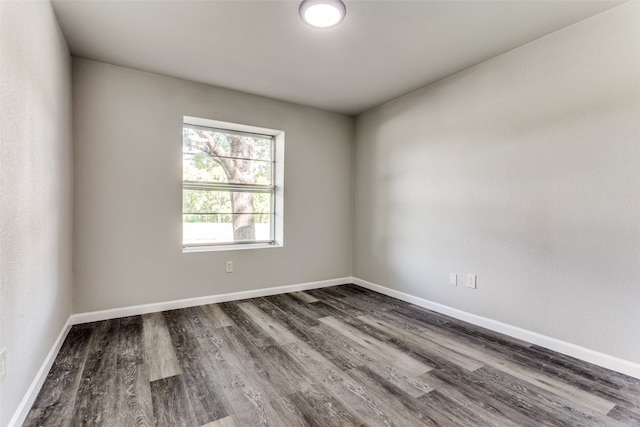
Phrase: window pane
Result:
[225,202]
[213,202]
[204,168]
[208,217]
[201,167]
[203,229]
[219,143]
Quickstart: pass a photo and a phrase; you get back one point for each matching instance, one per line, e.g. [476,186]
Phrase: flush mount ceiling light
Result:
[322,13]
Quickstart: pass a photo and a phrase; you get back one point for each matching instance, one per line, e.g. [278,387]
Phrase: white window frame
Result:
[277,218]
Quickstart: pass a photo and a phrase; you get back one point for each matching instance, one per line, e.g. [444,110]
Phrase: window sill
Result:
[219,248]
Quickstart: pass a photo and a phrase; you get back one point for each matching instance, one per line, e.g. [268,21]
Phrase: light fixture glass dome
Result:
[322,13]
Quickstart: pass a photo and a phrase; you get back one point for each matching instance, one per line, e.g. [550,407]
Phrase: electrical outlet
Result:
[453,279]
[3,367]
[228,267]
[472,280]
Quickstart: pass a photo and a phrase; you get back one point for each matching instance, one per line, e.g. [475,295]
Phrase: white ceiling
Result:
[382,50]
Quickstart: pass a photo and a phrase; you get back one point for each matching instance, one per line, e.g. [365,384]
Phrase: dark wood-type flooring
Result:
[339,356]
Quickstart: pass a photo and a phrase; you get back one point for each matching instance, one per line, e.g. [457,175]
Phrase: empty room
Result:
[319,213]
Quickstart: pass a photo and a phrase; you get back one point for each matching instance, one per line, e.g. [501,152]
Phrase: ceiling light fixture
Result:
[322,13]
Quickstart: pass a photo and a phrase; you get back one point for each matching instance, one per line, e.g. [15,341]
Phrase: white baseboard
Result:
[606,361]
[114,313]
[32,392]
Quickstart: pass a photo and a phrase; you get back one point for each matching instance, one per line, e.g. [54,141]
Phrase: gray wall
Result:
[128,171]
[35,192]
[524,170]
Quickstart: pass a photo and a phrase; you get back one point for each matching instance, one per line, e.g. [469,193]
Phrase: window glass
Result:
[228,186]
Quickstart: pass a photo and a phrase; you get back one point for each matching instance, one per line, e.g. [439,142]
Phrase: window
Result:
[231,186]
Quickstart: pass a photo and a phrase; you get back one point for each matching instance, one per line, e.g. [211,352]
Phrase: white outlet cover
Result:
[453,279]
[471,280]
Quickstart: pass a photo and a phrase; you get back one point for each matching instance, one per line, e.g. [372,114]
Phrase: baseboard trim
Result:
[32,392]
[115,313]
[604,360]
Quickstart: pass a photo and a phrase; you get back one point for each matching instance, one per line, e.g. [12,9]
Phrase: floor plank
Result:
[171,405]
[97,394]
[161,357]
[304,297]
[267,398]
[415,344]
[270,326]
[56,399]
[407,363]
[205,397]
[244,395]
[360,404]
[217,317]
[134,404]
[229,421]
